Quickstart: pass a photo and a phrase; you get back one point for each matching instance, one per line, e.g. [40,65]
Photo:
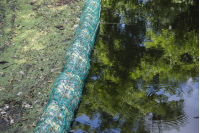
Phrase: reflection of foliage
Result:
[124,70]
[181,55]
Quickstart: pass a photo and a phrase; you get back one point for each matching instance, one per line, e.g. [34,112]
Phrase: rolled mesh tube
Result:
[67,89]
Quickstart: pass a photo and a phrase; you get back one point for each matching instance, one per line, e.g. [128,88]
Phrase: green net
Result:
[67,89]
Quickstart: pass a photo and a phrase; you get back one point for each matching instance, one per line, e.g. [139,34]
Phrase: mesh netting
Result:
[67,89]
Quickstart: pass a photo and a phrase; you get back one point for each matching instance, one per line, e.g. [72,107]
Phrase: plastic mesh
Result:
[67,89]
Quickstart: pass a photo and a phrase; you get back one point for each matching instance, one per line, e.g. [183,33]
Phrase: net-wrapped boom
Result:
[67,89]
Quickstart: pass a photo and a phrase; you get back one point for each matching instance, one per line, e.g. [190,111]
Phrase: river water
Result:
[144,74]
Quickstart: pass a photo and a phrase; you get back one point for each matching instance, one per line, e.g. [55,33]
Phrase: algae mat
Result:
[34,36]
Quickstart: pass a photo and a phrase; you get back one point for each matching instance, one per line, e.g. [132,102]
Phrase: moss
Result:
[34,49]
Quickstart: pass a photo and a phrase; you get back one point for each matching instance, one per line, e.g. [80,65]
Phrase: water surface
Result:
[144,69]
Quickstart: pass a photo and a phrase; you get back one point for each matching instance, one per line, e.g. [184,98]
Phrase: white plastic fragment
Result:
[19,93]
[11,120]
[21,72]
[6,107]
[28,106]
[3,113]
[76,25]
[2,89]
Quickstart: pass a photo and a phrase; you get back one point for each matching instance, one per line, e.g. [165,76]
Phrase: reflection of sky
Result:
[144,1]
[191,107]
[94,77]
[92,123]
[86,120]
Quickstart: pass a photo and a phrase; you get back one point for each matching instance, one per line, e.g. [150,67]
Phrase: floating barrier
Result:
[67,89]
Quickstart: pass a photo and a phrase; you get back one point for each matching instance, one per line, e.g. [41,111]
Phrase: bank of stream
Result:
[34,36]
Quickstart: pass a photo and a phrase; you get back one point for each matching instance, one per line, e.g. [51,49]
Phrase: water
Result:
[144,70]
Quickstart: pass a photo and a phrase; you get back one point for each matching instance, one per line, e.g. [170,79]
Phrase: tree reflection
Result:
[134,82]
